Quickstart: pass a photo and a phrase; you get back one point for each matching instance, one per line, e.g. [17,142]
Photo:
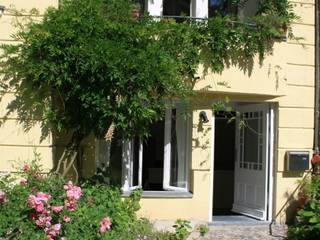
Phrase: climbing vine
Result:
[224,40]
[90,66]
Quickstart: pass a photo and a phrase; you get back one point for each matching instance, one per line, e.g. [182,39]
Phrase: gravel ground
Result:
[238,232]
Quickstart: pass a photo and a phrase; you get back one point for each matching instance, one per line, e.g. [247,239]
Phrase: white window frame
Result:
[127,159]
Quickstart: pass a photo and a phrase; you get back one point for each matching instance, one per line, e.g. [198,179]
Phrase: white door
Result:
[251,166]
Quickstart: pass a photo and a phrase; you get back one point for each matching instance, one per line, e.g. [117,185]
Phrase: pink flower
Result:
[37,202]
[25,168]
[66,219]
[44,221]
[72,192]
[23,182]
[2,197]
[43,196]
[105,225]
[57,209]
[70,205]
[52,231]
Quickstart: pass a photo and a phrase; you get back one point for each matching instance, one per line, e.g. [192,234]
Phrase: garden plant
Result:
[90,68]
[307,225]
[34,205]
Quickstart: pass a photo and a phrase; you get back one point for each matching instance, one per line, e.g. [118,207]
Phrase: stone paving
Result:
[241,232]
[232,228]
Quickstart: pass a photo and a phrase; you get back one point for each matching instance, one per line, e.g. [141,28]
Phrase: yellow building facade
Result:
[228,168]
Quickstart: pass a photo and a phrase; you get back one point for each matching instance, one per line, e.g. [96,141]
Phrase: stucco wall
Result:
[286,78]
[199,205]
[296,108]
[16,145]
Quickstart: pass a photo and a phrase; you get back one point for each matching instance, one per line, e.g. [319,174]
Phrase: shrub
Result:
[308,218]
[203,229]
[38,206]
[45,206]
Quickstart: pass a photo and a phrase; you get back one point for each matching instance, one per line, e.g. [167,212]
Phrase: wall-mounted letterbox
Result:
[297,161]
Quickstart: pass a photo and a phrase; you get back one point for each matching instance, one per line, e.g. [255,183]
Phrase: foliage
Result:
[34,205]
[182,229]
[89,64]
[20,216]
[308,225]
[203,229]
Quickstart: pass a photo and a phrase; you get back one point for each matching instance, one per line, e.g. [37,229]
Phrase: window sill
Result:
[161,194]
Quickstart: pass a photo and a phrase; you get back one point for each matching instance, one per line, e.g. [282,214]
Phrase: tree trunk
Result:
[67,161]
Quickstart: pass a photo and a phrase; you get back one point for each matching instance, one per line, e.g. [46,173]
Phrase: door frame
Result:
[270,162]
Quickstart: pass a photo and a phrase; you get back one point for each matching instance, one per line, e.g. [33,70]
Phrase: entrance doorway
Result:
[242,176]
[224,155]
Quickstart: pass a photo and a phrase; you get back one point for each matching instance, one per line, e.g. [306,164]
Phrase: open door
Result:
[252,157]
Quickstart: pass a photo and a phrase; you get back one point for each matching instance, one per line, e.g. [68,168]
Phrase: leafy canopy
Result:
[89,63]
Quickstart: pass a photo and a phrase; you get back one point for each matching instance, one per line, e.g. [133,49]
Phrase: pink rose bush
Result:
[43,211]
[33,207]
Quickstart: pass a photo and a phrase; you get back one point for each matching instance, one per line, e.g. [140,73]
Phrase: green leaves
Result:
[308,226]
[89,64]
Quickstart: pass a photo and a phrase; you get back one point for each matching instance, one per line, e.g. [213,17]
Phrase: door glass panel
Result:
[251,143]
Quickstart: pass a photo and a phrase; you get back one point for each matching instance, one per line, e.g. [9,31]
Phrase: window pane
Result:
[153,153]
[178,149]
[141,4]
[252,141]
[248,8]
[176,8]
[115,163]
[220,7]
[135,163]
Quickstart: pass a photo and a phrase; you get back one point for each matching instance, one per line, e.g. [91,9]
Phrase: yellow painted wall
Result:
[198,206]
[296,108]
[285,78]
[17,146]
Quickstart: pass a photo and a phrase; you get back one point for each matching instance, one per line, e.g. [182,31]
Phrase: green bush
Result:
[308,217]
[46,206]
[37,206]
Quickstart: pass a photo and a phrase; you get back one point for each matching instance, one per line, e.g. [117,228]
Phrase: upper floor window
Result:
[176,8]
[220,7]
[141,4]
[223,8]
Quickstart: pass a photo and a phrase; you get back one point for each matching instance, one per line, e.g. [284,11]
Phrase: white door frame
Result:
[270,164]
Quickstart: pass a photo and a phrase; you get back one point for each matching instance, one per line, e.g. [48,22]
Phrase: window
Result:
[220,7]
[176,8]
[245,9]
[141,4]
[159,163]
